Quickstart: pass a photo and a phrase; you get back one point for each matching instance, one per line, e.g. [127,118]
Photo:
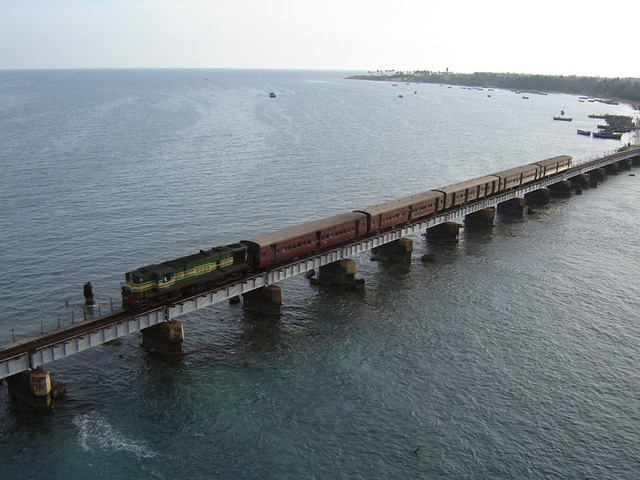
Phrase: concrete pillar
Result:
[341,274]
[399,250]
[32,389]
[595,176]
[481,218]
[580,181]
[612,168]
[624,164]
[89,297]
[446,232]
[515,206]
[266,300]
[537,197]
[165,338]
[561,188]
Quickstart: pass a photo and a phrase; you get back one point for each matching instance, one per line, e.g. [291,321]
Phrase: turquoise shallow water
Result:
[513,355]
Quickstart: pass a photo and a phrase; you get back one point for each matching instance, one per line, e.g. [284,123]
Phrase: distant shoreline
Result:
[605,89]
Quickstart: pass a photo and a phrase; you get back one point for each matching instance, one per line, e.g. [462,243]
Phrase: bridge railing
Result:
[69,314]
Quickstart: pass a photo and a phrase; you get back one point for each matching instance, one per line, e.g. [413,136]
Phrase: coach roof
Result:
[290,233]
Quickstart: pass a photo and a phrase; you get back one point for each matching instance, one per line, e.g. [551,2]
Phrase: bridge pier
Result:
[399,250]
[165,338]
[595,176]
[612,168]
[561,188]
[625,164]
[515,206]
[481,218]
[446,232]
[538,197]
[266,300]
[339,274]
[34,390]
[580,181]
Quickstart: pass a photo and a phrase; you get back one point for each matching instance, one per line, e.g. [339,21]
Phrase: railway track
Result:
[70,332]
[62,334]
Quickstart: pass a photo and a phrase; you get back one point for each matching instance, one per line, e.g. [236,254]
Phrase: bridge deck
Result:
[63,342]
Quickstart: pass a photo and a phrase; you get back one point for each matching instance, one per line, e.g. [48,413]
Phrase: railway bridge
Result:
[21,362]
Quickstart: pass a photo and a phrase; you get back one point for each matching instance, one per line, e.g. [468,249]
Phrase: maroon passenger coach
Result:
[288,244]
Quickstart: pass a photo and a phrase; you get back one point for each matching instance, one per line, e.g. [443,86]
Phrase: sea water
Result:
[513,355]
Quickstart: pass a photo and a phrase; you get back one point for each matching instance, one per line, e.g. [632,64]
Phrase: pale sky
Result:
[553,37]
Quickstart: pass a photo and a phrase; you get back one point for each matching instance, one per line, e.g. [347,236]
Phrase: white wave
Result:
[95,433]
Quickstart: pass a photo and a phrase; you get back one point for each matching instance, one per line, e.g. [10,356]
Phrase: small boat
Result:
[272,95]
[562,118]
[586,133]
[615,136]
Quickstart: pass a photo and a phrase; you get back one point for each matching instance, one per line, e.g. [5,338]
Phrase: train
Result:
[168,282]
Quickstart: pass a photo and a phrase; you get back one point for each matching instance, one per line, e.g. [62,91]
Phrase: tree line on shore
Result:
[625,89]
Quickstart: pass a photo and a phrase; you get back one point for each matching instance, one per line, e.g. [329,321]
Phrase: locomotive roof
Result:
[290,233]
[163,267]
[398,203]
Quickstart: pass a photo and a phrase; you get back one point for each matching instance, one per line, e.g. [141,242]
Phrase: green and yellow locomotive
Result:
[169,281]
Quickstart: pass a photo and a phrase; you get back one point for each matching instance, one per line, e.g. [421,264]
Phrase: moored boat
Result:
[563,118]
[584,132]
[615,136]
